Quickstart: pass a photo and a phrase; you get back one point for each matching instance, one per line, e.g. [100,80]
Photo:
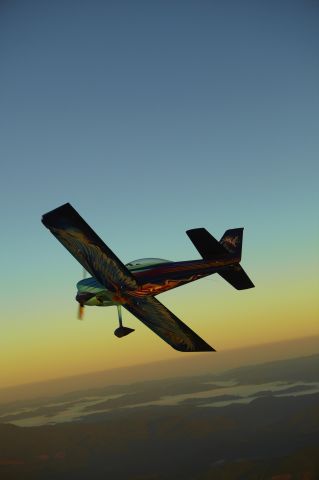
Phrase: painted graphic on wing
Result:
[85,245]
[166,325]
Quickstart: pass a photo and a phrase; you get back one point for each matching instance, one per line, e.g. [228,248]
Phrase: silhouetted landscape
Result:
[258,421]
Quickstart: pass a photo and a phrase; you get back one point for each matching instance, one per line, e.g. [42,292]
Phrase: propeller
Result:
[80,312]
[80,315]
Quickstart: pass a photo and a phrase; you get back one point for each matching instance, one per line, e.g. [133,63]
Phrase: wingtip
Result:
[63,206]
[210,349]
[198,349]
[66,207]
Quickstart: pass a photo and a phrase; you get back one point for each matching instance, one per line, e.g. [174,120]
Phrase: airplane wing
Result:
[84,244]
[166,325]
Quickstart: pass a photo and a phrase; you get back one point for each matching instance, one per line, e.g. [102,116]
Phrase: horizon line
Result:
[157,362]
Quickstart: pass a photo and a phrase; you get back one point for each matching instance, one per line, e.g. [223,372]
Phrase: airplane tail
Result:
[229,244]
[232,241]
[209,247]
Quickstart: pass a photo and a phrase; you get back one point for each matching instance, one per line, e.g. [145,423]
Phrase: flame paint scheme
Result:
[135,285]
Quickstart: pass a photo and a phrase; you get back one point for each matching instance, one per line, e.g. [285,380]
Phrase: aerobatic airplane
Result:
[135,285]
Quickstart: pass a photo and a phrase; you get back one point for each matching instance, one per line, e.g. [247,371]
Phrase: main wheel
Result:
[123,331]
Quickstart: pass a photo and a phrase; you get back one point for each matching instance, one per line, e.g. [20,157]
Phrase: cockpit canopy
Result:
[145,262]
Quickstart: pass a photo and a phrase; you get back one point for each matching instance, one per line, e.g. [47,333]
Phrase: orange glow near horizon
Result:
[225,318]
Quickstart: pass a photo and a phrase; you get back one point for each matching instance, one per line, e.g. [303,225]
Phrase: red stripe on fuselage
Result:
[161,278]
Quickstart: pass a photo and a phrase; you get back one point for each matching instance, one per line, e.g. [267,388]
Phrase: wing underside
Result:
[166,325]
[84,244]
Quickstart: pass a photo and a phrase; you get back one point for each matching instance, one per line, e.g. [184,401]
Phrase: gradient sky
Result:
[150,118]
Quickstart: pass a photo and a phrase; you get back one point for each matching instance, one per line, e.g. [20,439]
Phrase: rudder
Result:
[232,241]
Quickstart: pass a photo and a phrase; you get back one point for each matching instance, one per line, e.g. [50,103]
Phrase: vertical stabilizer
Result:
[232,241]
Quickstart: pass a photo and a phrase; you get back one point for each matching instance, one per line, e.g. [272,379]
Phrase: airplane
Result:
[135,285]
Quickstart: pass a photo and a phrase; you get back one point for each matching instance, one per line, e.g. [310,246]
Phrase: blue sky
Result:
[152,118]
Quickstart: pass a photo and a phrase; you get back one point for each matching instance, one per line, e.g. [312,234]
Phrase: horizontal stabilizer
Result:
[236,276]
[205,243]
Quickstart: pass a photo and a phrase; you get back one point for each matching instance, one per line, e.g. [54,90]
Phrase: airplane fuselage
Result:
[153,276]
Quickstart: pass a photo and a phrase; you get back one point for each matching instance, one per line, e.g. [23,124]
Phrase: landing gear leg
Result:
[122,331]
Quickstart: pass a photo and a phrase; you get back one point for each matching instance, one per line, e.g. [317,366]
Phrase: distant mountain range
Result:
[188,428]
[184,365]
